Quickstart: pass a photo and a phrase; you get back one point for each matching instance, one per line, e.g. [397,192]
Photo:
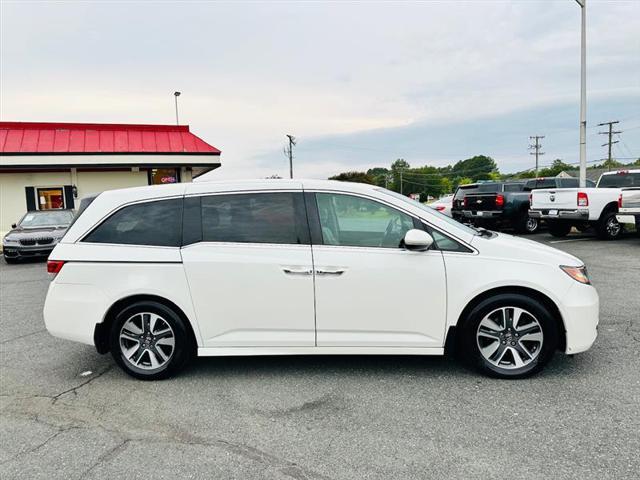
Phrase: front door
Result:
[370,292]
[250,270]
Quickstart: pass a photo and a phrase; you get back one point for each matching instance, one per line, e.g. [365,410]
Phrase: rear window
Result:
[157,223]
[513,187]
[540,183]
[477,188]
[620,179]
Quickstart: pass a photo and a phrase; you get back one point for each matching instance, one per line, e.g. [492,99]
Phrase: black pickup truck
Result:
[502,204]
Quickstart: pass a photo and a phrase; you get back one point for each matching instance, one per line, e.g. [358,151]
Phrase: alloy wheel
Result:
[531,225]
[613,227]
[147,341]
[509,337]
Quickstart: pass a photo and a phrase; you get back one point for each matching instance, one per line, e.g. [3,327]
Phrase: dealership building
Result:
[51,165]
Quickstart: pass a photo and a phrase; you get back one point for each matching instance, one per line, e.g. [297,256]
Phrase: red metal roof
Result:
[90,138]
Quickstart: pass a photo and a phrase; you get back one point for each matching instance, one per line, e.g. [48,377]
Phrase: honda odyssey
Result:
[156,275]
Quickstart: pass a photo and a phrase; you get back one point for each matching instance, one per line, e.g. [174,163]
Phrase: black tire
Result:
[525,224]
[608,227]
[469,342]
[10,260]
[184,347]
[558,228]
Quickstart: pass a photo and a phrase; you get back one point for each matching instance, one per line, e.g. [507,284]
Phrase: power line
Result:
[536,146]
[610,133]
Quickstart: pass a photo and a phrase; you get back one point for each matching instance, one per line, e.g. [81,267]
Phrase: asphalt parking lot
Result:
[68,412]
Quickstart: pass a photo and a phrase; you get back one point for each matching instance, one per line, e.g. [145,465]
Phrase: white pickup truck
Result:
[563,208]
[629,207]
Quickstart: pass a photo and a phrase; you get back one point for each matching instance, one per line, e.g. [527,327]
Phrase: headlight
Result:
[579,274]
[9,241]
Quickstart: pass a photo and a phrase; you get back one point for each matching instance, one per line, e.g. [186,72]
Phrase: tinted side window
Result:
[447,244]
[255,218]
[151,223]
[353,221]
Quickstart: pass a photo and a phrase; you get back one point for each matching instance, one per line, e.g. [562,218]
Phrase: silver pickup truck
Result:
[629,207]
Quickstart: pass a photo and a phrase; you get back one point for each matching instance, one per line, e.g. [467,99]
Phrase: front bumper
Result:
[20,251]
[556,214]
[580,312]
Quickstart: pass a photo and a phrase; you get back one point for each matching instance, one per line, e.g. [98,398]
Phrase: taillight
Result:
[54,266]
[583,199]
[439,208]
[464,201]
[620,201]
[499,200]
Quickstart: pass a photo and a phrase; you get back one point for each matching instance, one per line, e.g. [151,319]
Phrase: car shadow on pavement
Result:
[367,365]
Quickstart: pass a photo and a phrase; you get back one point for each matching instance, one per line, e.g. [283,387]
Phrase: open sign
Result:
[168,180]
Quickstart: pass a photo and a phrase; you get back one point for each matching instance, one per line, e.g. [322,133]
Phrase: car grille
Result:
[28,242]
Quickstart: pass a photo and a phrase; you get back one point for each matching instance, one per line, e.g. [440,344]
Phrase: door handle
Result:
[297,270]
[337,271]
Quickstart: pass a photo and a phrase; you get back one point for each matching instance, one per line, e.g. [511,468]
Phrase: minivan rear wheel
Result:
[509,336]
[150,341]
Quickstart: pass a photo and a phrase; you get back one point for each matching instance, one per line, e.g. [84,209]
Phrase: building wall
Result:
[96,182]
[12,188]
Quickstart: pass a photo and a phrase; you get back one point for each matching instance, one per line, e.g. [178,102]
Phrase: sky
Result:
[359,84]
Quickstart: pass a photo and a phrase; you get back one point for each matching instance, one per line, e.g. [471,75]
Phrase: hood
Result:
[38,232]
[517,248]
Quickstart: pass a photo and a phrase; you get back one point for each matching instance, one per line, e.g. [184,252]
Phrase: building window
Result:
[161,176]
[50,198]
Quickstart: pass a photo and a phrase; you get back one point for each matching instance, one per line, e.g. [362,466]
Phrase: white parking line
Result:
[571,240]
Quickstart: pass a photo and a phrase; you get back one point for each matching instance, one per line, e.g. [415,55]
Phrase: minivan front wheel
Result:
[150,341]
[510,336]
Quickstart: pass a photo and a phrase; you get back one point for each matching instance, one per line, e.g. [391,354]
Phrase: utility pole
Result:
[583,93]
[176,95]
[611,132]
[401,169]
[289,152]
[536,146]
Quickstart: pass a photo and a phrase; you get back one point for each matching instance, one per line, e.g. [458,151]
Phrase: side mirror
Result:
[417,240]
[13,225]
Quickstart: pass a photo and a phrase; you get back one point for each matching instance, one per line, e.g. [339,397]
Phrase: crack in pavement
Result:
[22,336]
[105,457]
[40,445]
[171,435]
[83,384]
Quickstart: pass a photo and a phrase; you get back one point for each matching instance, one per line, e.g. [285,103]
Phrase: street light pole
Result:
[583,94]
[176,95]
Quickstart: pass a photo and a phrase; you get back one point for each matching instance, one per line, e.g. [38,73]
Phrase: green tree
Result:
[479,167]
[358,177]
[396,167]
[380,175]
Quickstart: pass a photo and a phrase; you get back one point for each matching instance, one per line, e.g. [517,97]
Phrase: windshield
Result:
[431,211]
[52,218]
[620,179]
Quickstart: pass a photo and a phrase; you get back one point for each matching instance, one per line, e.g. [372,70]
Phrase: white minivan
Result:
[159,274]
